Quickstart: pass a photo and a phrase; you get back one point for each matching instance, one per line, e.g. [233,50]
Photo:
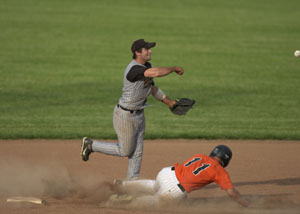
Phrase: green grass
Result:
[62,64]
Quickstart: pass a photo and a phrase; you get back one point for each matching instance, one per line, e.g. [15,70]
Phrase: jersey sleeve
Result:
[136,73]
[223,180]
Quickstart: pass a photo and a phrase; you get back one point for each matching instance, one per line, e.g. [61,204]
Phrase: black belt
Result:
[131,111]
[179,184]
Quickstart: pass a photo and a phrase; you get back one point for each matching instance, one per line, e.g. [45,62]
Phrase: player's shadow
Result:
[262,201]
[222,198]
[280,182]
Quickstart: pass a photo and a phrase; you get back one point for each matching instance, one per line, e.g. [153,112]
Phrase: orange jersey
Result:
[201,170]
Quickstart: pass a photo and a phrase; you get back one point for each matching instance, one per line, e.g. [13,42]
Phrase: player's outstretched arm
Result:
[160,95]
[236,196]
[162,71]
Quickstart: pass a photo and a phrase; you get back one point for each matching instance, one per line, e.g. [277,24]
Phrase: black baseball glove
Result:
[182,106]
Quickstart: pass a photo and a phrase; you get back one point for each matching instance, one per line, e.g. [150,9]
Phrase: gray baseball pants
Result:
[130,128]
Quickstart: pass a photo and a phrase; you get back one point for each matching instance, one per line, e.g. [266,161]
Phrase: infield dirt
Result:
[267,173]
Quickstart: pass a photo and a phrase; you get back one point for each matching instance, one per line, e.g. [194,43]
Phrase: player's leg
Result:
[142,191]
[163,189]
[137,186]
[135,159]
[126,131]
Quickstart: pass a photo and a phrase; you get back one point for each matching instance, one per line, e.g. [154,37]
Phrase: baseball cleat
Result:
[118,182]
[86,148]
[117,185]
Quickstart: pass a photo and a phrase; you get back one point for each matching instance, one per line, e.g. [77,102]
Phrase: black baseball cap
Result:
[141,43]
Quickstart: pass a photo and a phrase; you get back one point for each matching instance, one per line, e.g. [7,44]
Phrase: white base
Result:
[26,199]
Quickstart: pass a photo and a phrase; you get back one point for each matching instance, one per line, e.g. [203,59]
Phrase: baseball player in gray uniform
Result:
[129,118]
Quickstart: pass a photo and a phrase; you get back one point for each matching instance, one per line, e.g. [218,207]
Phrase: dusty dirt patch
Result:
[267,173]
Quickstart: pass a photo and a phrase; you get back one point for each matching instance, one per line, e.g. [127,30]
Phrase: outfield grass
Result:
[62,64]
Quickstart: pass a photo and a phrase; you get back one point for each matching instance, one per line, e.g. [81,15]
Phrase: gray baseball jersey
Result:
[129,119]
[135,93]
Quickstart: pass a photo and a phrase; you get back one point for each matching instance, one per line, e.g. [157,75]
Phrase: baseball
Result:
[297,53]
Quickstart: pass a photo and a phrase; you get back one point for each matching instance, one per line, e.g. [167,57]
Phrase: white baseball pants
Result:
[164,187]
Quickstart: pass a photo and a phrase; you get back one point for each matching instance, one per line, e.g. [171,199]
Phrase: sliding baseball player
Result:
[174,183]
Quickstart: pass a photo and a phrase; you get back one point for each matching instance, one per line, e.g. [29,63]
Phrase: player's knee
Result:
[126,152]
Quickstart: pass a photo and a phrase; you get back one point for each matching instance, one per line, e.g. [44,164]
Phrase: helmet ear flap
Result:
[223,153]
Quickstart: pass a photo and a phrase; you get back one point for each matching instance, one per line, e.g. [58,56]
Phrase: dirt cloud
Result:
[49,178]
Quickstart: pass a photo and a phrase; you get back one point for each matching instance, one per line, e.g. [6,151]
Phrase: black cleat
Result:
[86,148]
